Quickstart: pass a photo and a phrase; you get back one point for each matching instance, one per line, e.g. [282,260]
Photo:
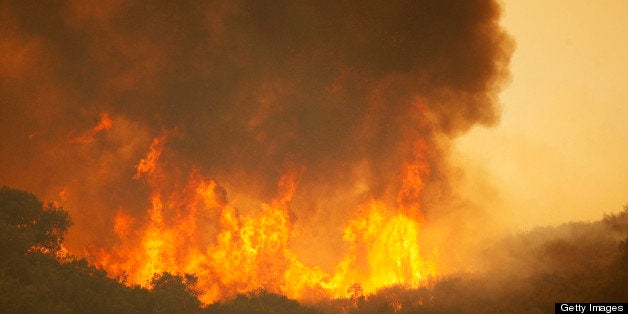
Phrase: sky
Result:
[558,153]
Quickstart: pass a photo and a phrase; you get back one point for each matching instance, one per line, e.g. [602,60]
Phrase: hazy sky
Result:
[560,151]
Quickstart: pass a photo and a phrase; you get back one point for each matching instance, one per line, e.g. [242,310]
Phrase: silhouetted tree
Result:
[174,294]
[26,226]
[260,302]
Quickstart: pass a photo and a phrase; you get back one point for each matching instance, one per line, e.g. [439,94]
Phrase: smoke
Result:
[351,92]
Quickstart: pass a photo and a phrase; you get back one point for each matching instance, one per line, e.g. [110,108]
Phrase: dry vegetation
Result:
[527,273]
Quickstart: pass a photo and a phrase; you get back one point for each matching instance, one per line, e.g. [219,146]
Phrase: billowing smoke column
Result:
[289,145]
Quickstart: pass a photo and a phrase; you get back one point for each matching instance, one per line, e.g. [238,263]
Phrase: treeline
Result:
[577,262]
[37,277]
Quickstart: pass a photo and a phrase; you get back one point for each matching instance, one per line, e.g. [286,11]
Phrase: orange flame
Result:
[233,253]
[148,164]
[103,125]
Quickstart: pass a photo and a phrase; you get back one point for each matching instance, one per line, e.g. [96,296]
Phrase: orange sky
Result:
[560,151]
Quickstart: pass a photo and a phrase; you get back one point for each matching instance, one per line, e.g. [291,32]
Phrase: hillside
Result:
[525,273]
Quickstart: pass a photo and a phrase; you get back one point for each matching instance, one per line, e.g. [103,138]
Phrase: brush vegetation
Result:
[526,273]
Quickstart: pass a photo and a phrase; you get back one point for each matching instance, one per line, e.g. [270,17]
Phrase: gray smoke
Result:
[340,88]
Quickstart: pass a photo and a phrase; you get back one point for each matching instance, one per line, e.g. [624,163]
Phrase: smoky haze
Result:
[244,91]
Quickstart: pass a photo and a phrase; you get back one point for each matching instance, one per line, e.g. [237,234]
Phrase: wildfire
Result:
[328,125]
[391,252]
[233,253]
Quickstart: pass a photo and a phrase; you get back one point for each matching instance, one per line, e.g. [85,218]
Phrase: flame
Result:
[384,251]
[197,230]
[148,164]
[88,136]
[249,89]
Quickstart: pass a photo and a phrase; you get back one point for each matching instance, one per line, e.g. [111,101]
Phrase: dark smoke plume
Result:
[246,90]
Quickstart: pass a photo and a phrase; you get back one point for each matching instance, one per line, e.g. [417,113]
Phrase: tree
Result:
[174,293]
[33,279]
[260,302]
[26,226]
